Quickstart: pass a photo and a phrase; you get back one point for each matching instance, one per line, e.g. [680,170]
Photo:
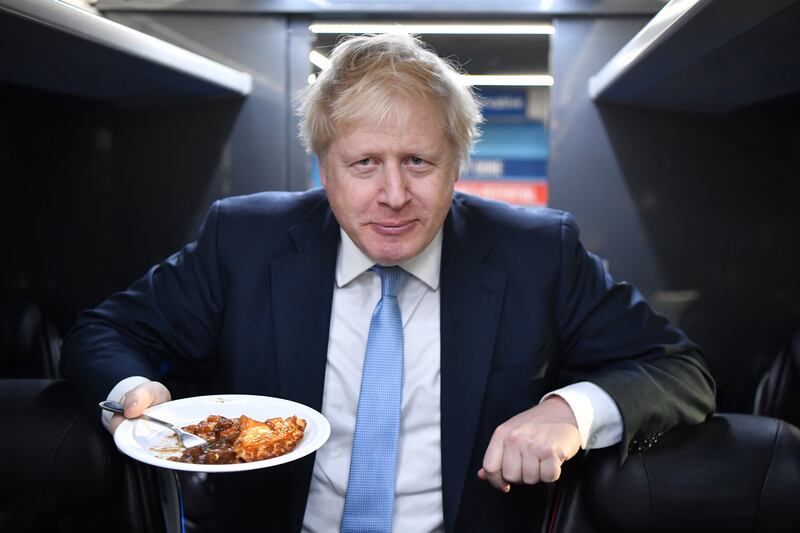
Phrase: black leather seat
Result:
[732,473]
[30,345]
[61,471]
[778,393]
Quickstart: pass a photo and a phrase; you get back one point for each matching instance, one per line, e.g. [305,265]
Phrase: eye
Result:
[416,161]
[364,162]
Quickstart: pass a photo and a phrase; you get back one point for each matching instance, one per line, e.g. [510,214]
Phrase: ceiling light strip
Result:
[519,80]
[434,29]
[485,80]
[319,60]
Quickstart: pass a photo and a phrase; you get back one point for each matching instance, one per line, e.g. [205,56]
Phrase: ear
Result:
[323,172]
[457,163]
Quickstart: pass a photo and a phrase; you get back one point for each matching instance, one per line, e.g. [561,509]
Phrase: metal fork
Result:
[187,439]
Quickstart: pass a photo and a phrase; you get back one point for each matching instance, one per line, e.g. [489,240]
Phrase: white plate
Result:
[151,443]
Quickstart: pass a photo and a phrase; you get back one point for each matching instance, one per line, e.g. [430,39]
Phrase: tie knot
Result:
[392,279]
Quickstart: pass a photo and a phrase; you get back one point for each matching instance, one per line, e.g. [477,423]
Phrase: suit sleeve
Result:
[611,337]
[166,323]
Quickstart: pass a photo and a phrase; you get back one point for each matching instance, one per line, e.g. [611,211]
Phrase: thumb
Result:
[135,402]
[140,398]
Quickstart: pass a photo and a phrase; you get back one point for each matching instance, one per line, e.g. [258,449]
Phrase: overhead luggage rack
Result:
[707,55]
[55,46]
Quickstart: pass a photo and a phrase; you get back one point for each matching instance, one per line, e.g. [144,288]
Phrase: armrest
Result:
[733,472]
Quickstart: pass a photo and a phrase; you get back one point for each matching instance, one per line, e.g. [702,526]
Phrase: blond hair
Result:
[366,77]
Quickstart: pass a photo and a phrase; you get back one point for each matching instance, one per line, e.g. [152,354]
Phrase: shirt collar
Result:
[352,262]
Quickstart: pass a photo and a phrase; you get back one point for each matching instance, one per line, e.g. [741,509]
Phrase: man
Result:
[493,307]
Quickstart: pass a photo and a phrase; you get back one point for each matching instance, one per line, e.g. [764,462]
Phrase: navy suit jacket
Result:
[524,308]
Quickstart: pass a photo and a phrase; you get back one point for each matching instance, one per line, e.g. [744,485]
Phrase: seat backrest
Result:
[60,471]
[778,393]
[734,472]
[30,345]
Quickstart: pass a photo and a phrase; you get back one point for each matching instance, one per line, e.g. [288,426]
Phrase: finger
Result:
[497,480]
[484,476]
[160,393]
[116,420]
[493,463]
[531,469]
[512,465]
[550,469]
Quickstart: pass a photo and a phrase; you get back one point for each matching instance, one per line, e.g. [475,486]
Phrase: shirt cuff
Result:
[118,392]
[598,417]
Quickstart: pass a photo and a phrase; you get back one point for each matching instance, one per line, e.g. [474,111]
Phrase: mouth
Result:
[393,227]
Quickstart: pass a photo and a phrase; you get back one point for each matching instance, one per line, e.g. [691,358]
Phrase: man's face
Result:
[390,185]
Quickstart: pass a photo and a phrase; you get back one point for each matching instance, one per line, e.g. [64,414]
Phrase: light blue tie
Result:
[370,488]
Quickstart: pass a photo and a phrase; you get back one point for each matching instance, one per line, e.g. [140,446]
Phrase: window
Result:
[508,64]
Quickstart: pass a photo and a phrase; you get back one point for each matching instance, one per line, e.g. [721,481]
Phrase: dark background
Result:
[697,209]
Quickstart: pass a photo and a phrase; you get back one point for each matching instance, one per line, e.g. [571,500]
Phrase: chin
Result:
[392,254]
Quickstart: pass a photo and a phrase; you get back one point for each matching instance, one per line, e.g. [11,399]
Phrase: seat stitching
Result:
[766,474]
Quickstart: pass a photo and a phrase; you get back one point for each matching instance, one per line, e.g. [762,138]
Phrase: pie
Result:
[262,440]
[242,440]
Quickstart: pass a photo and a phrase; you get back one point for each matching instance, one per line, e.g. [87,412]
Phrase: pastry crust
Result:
[262,440]
[242,440]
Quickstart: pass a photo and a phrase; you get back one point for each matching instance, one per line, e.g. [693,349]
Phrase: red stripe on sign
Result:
[524,192]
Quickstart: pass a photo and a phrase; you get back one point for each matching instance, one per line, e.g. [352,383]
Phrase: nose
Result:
[394,192]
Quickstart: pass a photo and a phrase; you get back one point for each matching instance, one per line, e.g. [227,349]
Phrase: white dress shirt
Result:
[418,496]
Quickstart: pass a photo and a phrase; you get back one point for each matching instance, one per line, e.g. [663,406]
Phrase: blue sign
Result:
[495,168]
[506,103]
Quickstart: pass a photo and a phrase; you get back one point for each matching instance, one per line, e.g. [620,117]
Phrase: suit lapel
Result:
[471,301]
[302,295]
